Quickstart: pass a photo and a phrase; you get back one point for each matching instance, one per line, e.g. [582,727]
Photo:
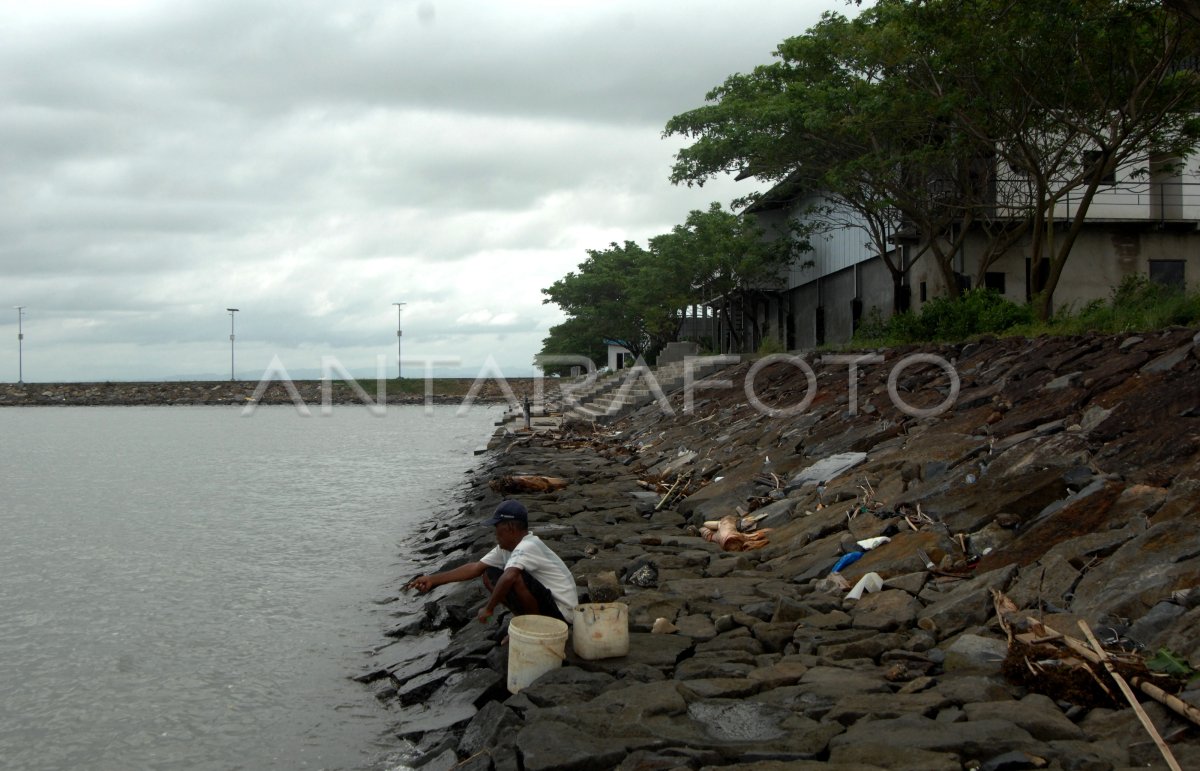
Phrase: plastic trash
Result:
[846,560]
[970,479]
[871,582]
[870,543]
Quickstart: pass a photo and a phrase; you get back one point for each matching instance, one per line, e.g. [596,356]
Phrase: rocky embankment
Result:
[1062,485]
[241,392]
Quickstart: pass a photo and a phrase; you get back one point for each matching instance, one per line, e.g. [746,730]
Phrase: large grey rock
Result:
[886,610]
[894,759]
[490,725]
[454,703]
[976,740]
[969,604]
[965,689]
[1036,713]
[547,745]
[1089,756]
[719,688]
[975,654]
[557,694]
[715,666]
[782,673]
[760,727]
[827,469]
[871,647]
[1142,572]
[658,651]
[850,709]
[838,682]
[697,626]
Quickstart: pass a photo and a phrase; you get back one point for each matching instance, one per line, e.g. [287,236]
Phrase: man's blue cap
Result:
[509,511]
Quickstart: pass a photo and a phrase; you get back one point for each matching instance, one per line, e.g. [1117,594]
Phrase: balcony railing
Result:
[1171,200]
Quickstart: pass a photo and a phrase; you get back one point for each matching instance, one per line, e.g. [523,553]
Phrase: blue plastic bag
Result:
[846,560]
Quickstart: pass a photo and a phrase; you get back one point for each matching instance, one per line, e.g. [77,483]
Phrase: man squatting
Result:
[520,572]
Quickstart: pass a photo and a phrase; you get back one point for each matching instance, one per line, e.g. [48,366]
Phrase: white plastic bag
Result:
[871,582]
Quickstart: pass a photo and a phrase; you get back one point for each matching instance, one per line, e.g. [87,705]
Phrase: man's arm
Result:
[461,573]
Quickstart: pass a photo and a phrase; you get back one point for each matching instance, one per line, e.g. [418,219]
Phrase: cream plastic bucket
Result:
[601,630]
[536,645]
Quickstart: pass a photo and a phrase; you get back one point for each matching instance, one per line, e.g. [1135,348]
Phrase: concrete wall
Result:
[875,287]
[1101,258]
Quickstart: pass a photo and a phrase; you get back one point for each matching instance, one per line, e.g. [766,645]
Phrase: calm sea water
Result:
[188,588]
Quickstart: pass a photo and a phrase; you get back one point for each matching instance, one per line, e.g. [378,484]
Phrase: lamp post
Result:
[399,335]
[20,345]
[232,371]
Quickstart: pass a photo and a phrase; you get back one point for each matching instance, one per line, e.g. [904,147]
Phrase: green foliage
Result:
[573,337]
[911,109]
[978,312]
[634,296]
[1170,663]
[604,301]
[770,345]
[1136,304]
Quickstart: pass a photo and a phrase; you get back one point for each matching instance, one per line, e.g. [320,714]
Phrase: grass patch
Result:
[1137,304]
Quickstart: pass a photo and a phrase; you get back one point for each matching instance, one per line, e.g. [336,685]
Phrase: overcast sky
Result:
[311,162]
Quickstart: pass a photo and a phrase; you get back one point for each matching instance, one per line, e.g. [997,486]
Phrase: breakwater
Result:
[242,392]
[1062,485]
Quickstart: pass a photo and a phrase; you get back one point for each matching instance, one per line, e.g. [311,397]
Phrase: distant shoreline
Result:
[241,392]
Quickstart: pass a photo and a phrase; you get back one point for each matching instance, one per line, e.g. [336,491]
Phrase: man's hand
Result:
[485,614]
[422,583]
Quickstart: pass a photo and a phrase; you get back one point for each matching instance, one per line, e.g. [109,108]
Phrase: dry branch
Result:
[1133,701]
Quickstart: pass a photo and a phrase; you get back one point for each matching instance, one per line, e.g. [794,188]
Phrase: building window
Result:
[994,280]
[1168,273]
[924,292]
[1091,158]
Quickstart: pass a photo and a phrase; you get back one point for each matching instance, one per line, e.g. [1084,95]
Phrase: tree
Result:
[721,255]
[826,118]
[635,297]
[903,110]
[573,337]
[598,296]
[1076,90]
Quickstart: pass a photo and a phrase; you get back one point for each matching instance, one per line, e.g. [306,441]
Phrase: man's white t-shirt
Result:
[535,557]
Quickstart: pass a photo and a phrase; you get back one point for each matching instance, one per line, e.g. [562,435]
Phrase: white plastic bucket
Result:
[601,630]
[536,645]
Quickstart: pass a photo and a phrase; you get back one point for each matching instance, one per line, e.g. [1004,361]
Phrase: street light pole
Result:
[20,345]
[232,371]
[399,335]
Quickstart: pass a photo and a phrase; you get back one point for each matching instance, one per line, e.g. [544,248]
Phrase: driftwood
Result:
[527,484]
[1133,702]
[725,533]
[1094,654]
[1174,703]
[1080,654]
[681,480]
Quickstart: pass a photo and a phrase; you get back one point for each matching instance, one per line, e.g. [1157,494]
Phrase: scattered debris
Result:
[506,485]
[725,533]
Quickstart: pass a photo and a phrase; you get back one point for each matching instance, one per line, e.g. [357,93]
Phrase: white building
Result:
[1136,224]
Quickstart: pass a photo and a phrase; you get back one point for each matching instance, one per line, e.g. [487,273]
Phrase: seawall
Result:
[241,392]
[1062,485]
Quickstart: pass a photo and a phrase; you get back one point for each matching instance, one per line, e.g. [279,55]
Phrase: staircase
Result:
[609,398]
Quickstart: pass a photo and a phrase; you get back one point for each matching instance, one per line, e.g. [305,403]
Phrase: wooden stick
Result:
[1131,698]
[1174,703]
[666,497]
